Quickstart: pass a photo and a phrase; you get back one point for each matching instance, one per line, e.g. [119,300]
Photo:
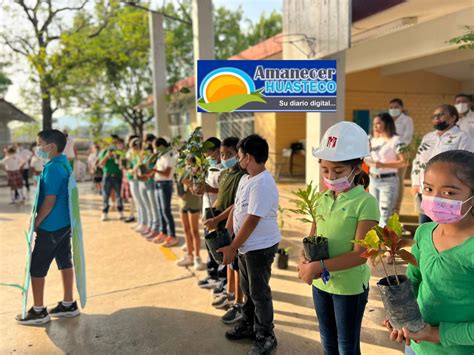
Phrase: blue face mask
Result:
[212,162]
[229,163]
[40,153]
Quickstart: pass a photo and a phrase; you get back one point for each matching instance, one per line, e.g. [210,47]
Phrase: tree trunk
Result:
[46,109]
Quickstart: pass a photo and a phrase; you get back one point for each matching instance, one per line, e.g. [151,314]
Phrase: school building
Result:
[398,49]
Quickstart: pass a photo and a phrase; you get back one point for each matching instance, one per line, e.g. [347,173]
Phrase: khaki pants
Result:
[401,186]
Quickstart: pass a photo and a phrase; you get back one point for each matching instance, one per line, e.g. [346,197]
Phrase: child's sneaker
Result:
[185,261]
[170,242]
[33,317]
[264,344]
[161,238]
[223,301]
[198,264]
[208,283]
[62,311]
[105,217]
[234,314]
[220,288]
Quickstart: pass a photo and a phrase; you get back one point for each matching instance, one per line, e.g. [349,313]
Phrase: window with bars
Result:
[235,124]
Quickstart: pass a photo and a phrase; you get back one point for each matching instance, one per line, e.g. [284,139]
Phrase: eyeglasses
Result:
[438,115]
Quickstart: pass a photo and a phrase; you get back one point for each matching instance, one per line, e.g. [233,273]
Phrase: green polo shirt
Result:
[228,183]
[132,163]
[341,216]
[111,166]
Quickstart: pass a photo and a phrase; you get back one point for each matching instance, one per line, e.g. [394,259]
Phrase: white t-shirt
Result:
[404,128]
[212,180]
[69,148]
[257,196]
[384,151]
[37,163]
[165,161]
[433,144]
[467,124]
[25,155]
[11,162]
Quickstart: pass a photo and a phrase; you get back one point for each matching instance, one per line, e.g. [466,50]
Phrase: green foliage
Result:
[26,132]
[265,28]
[5,82]
[379,241]
[307,203]
[282,214]
[466,41]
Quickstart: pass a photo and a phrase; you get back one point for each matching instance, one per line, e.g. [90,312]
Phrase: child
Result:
[13,165]
[254,223]
[444,249]
[349,213]
[36,164]
[191,205]
[53,230]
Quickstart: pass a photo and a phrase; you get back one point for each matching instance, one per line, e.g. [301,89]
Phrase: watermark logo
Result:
[266,85]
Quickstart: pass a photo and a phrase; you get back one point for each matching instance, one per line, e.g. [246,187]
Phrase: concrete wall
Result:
[420,91]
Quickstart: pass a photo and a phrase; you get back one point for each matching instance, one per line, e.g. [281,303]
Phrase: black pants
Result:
[25,173]
[255,269]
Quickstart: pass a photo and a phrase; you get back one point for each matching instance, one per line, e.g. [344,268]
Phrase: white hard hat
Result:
[343,141]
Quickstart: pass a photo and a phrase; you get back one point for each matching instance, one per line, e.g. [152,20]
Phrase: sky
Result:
[252,9]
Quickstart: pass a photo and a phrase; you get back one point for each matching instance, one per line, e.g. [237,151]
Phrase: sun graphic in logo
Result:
[227,89]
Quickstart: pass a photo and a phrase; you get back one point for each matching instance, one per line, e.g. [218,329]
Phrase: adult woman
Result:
[384,162]
[446,136]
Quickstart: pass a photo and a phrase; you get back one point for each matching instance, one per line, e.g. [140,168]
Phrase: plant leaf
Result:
[407,256]
[394,224]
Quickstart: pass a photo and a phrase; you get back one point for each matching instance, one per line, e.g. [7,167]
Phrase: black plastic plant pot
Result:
[316,250]
[400,303]
[211,213]
[282,261]
[215,240]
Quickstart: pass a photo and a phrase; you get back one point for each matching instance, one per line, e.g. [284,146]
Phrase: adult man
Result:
[463,104]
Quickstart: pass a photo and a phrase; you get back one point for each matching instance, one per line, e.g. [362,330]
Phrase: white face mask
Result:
[394,112]
[462,107]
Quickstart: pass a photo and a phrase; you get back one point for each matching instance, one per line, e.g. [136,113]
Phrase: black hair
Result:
[389,123]
[452,111]
[150,137]
[114,136]
[33,145]
[463,162]
[360,179]
[130,137]
[230,142]
[215,141]
[396,101]
[463,95]
[161,141]
[135,142]
[53,136]
[11,149]
[255,146]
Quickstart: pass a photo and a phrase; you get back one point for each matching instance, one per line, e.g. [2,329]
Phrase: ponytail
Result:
[362,179]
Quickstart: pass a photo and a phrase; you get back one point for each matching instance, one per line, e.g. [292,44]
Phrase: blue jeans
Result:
[340,321]
[164,190]
[134,187]
[385,190]
[147,192]
[108,183]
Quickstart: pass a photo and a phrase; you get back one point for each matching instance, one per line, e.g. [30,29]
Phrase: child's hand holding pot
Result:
[229,254]
[428,333]
[308,271]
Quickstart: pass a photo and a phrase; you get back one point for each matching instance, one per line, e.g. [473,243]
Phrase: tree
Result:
[265,28]
[466,41]
[5,82]
[45,21]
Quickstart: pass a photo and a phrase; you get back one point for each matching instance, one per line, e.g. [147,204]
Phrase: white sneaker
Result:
[105,217]
[198,264]
[184,248]
[185,261]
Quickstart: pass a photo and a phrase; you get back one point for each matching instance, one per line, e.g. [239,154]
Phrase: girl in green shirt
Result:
[444,280]
[349,213]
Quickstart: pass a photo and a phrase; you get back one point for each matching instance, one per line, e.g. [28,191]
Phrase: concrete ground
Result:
[141,302]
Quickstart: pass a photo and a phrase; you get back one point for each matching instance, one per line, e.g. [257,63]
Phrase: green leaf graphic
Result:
[231,103]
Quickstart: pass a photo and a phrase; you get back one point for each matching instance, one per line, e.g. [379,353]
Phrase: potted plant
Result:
[282,257]
[397,294]
[307,203]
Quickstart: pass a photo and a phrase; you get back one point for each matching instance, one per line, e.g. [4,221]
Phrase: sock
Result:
[38,309]
[67,303]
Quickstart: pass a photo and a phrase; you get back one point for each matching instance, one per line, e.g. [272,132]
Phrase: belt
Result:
[381,176]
